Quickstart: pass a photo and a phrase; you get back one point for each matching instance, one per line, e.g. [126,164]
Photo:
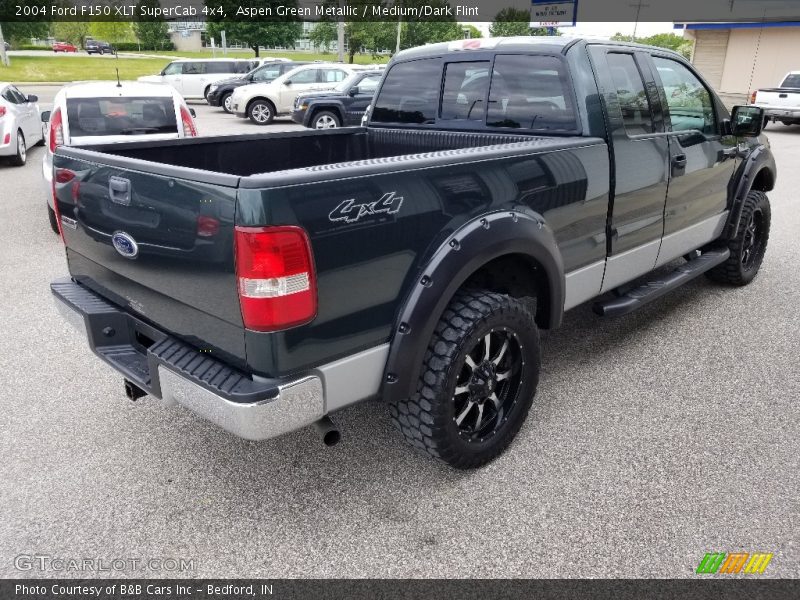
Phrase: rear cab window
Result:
[95,117]
[792,81]
[509,91]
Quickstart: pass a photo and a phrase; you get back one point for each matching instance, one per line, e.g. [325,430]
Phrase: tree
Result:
[372,36]
[662,40]
[323,35]
[152,35]
[512,21]
[255,33]
[23,31]
[112,31]
[474,32]
[74,32]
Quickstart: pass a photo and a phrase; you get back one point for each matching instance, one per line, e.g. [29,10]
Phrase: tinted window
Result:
[194,68]
[120,116]
[465,87]
[267,73]
[629,88]
[240,67]
[9,96]
[333,75]
[20,97]
[410,93]
[221,67]
[689,102]
[306,76]
[792,81]
[173,69]
[530,92]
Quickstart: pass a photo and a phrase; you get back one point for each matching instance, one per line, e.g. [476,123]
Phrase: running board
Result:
[638,297]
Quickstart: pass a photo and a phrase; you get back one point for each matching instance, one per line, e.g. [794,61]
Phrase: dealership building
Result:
[738,58]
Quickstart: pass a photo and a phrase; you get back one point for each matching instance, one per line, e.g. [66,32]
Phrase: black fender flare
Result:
[464,252]
[330,106]
[760,158]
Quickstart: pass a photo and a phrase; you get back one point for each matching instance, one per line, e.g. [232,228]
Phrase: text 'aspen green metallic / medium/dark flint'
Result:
[266,282]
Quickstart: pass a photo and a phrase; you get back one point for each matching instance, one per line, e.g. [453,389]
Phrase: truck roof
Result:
[554,44]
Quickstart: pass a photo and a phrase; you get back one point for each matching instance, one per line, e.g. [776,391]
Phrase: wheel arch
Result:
[511,252]
[255,98]
[336,109]
[757,172]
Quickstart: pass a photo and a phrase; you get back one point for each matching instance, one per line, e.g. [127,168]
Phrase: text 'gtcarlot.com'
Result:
[45,562]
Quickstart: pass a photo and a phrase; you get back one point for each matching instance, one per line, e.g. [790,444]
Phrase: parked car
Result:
[193,78]
[98,47]
[262,102]
[20,124]
[781,103]
[98,113]
[497,184]
[64,47]
[219,93]
[344,105]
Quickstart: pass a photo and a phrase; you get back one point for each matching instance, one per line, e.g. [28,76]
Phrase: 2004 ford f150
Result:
[266,281]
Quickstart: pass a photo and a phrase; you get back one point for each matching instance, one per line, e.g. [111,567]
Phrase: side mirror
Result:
[33,98]
[287,82]
[353,91]
[747,121]
[193,112]
[45,116]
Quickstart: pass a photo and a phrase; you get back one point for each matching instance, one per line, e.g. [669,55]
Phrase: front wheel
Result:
[261,112]
[21,157]
[749,245]
[227,105]
[325,119]
[477,383]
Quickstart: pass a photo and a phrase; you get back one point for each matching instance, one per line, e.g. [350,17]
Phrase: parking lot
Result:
[655,438]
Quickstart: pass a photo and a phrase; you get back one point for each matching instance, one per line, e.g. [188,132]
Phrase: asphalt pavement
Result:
[655,438]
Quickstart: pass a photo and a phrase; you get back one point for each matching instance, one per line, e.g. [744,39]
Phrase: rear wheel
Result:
[51,214]
[21,157]
[478,380]
[325,119]
[749,245]
[226,103]
[261,112]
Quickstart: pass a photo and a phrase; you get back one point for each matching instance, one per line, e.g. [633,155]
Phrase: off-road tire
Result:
[736,270]
[427,419]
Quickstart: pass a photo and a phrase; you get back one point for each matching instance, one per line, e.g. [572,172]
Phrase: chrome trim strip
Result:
[297,404]
[684,241]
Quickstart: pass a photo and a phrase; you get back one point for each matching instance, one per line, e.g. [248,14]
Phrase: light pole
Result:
[3,55]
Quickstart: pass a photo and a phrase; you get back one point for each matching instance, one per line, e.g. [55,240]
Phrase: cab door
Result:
[173,75]
[640,150]
[302,81]
[193,79]
[360,96]
[702,159]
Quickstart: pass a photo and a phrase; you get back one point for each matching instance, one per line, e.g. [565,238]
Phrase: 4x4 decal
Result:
[350,212]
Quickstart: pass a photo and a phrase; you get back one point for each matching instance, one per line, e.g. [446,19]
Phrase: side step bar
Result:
[638,297]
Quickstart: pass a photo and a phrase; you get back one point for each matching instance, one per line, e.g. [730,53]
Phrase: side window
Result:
[306,76]
[689,102]
[531,92]
[194,68]
[9,96]
[368,84]
[173,69]
[629,87]
[465,87]
[21,98]
[266,73]
[410,93]
[220,67]
[332,75]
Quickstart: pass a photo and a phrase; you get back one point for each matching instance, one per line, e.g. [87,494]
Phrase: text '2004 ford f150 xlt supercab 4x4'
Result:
[266,281]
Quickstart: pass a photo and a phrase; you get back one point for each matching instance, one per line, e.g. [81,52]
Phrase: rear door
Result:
[193,78]
[24,112]
[641,155]
[305,80]
[702,160]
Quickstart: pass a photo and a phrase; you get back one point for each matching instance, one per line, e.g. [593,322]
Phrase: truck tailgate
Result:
[154,243]
[778,97]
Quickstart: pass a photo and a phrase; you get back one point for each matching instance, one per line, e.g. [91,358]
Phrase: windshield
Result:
[792,81]
[94,117]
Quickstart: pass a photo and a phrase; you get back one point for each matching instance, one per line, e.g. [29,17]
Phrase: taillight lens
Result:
[753,97]
[2,111]
[62,177]
[207,226]
[189,129]
[56,130]
[275,274]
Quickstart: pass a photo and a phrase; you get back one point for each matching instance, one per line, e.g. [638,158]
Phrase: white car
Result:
[20,124]
[193,76]
[105,112]
[262,102]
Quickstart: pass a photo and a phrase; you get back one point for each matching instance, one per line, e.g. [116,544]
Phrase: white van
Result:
[193,76]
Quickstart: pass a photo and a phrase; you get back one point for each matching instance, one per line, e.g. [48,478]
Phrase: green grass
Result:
[34,69]
[79,68]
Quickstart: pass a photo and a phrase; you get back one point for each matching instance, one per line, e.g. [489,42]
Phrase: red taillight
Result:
[56,130]
[7,139]
[207,226]
[64,175]
[275,274]
[2,111]
[753,97]
[189,129]
[61,177]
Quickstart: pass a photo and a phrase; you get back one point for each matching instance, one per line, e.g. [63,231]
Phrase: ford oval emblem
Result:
[125,244]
